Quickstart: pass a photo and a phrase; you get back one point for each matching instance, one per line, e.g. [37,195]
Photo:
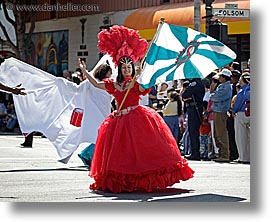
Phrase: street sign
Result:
[231,13]
[231,6]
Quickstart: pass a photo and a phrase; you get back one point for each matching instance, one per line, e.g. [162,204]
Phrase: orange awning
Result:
[146,19]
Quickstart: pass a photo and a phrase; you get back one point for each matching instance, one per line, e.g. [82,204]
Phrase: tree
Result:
[18,23]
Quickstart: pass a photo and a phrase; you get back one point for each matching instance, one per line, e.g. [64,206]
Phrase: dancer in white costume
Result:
[102,72]
[50,101]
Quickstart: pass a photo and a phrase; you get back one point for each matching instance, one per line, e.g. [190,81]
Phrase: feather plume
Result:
[121,42]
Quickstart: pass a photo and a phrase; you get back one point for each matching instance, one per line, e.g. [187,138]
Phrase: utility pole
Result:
[214,28]
[197,15]
[208,12]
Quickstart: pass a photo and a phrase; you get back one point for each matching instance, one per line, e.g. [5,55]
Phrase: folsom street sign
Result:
[231,12]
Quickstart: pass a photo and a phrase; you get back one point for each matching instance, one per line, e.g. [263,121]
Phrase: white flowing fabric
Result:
[49,103]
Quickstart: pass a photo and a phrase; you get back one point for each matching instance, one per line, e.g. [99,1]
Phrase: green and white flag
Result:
[180,53]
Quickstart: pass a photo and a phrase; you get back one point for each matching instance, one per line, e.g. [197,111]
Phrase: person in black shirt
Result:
[193,99]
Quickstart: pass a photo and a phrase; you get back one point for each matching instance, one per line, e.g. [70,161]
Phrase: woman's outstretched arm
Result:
[90,77]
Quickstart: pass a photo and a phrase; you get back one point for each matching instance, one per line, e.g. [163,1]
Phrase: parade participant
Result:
[17,91]
[66,113]
[101,72]
[135,149]
[14,90]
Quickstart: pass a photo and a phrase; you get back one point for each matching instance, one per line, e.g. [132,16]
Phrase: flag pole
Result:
[161,22]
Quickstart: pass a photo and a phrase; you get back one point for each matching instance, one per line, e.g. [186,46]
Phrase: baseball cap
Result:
[225,72]
[236,73]
[246,77]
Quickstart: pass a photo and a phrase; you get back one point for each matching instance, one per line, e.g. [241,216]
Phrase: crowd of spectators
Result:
[164,99]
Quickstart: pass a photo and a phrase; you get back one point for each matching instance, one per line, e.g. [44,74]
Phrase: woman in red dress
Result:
[135,149]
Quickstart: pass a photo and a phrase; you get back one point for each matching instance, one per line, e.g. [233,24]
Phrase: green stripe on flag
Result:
[200,35]
[190,71]
[180,33]
[216,43]
[159,53]
[157,74]
[170,76]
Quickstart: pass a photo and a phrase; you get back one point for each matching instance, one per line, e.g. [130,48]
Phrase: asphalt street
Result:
[35,175]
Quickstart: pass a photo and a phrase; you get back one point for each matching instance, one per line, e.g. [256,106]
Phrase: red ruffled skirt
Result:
[137,151]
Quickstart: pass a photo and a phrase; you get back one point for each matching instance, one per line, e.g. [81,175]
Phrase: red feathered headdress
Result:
[120,42]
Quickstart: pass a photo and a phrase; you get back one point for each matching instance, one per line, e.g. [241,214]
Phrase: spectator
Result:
[185,139]
[235,66]
[11,119]
[233,150]
[221,98]
[80,74]
[242,121]
[162,92]
[248,66]
[175,85]
[238,87]
[67,75]
[171,113]
[205,134]
[206,83]
[234,80]
[76,78]
[213,152]
[153,96]
[3,112]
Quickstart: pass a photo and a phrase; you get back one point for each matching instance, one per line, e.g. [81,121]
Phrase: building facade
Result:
[69,30]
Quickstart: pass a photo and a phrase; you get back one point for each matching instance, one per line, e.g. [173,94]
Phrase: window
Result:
[164,1]
[240,44]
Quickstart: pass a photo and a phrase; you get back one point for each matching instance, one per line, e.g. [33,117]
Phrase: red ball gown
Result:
[135,150]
